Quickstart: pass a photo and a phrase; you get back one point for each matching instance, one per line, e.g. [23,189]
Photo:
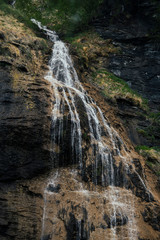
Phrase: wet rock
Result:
[118,220]
[61,133]
[151,215]
[138,61]
[103,226]
[140,187]
[46,237]
[82,113]
[52,188]
[139,67]
[75,212]
[76,229]
[138,166]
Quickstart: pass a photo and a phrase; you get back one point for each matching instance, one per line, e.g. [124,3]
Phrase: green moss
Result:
[144,147]
[17,13]
[149,164]
[152,156]
[63,16]
[152,131]
[92,51]
[138,148]
[115,87]
[158,173]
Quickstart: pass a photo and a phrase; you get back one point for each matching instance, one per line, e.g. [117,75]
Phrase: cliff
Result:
[46,198]
[25,109]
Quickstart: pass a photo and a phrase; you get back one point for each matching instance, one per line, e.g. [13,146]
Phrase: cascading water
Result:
[102,189]
[13,3]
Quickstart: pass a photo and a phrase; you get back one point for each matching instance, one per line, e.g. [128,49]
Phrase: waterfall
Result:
[94,184]
[13,3]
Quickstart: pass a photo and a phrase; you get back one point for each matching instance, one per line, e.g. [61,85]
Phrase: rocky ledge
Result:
[24,107]
[132,27]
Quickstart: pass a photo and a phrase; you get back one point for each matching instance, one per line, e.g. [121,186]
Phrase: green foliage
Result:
[117,88]
[152,131]
[74,15]
[149,164]
[144,147]
[158,173]
[18,13]
[152,156]
[65,16]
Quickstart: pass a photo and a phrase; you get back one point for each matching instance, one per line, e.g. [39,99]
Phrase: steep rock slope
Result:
[134,27]
[25,109]
[24,202]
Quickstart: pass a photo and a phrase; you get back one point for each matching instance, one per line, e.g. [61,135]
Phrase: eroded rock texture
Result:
[24,106]
[67,203]
[70,208]
[132,25]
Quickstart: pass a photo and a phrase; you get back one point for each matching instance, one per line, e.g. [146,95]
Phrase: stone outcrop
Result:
[132,26]
[129,49]
[71,208]
[24,106]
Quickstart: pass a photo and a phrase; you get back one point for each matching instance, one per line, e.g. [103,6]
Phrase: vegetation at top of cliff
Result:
[93,52]
[116,88]
[22,53]
[63,16]
[19,14]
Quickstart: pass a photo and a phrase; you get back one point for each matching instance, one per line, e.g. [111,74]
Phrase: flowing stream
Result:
[115,204]
[13,3]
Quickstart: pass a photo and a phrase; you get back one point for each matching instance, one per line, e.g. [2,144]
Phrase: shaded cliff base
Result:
[73,208]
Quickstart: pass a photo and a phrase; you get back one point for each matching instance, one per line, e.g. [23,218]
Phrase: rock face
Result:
[131,27]
[25,109]
[70,208]
[65,203]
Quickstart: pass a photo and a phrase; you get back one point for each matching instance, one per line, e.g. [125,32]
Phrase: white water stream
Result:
[67,87]
[13,3]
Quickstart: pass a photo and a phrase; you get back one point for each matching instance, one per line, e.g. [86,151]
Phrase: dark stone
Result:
[139,67]
[52,188]
[103,226]
[2,36]
[151,215]
[139,61]
[112,221]
[74,230]
[22,68]
[140,188]
[31,193]
[61,133]
[92,227]
[46,237]
[24,126]
[19,206]
[138,166]
[83,115]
